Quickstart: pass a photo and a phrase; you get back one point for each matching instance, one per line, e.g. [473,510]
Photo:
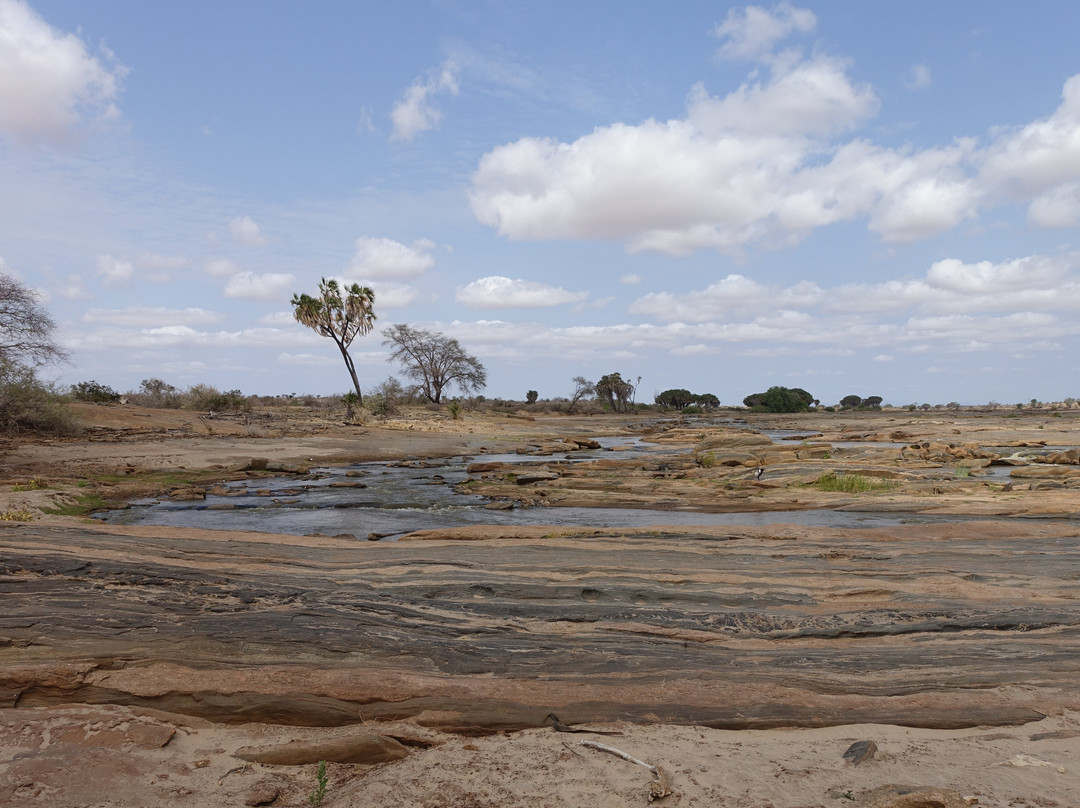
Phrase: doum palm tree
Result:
[340,314]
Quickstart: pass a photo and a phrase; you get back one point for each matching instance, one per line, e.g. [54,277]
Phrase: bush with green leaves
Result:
[157,393]
[94,392]
[210,399]
[28,405]
[780,399]
[531,396]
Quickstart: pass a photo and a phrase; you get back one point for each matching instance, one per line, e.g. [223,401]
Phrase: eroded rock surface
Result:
[930,625]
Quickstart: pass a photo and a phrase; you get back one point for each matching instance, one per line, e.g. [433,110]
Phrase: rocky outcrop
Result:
[929,625]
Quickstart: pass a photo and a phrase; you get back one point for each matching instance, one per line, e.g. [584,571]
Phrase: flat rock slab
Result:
[946,625]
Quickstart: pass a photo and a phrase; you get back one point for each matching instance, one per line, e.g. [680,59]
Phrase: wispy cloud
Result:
[416,111]
[497,292]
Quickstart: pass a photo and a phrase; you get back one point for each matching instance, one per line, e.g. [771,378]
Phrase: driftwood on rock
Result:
[659,788]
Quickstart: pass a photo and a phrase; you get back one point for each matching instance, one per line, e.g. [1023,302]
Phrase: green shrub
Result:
[707,460]
[851,483]
[454,408]
[94,392]
[28,405]
[205,397]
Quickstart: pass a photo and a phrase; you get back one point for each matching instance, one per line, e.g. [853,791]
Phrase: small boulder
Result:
[860,751]
[265,792]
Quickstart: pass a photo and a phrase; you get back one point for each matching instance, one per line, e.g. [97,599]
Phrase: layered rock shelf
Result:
[928,626]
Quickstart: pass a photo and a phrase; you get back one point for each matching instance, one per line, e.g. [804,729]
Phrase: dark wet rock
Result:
[860,751]
[365,748]
[347,484]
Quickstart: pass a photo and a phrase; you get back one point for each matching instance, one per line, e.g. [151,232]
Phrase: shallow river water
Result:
[386,500]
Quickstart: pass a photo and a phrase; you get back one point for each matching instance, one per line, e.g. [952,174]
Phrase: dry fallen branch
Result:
[658,788]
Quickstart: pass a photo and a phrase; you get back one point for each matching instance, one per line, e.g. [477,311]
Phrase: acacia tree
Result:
[26,329]
[341,315]
[583,388]
[434,360]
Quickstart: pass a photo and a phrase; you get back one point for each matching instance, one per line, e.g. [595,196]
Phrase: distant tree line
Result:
[854,402]
[679,399]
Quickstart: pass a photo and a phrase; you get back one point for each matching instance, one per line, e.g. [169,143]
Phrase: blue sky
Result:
[869,198]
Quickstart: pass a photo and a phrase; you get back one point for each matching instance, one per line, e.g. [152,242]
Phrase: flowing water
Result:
[386,500]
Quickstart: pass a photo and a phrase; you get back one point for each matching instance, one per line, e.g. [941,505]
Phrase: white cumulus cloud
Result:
[416,111]
[48,79]
[383,258]
[734,171]
[497,292]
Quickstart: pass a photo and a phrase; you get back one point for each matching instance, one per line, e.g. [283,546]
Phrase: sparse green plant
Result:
[350,400]
[17,515]
[963,471]
[707,460]
[316,797]
[454,408]
[33,484]
[850,483]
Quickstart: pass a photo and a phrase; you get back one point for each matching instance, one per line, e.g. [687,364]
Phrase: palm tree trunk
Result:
[352,373]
